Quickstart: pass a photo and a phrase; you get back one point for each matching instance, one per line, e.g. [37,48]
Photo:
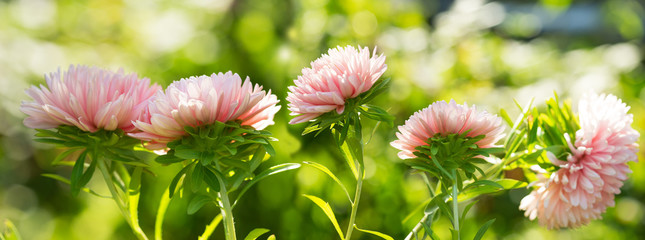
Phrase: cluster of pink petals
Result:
[447,118]
[585,185]
[89,98]
[198,101]
[342,73]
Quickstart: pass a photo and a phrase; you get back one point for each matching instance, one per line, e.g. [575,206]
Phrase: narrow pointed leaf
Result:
[197,203]
[375,233]
[328,211]
[326,170]
[268,172]
[77,174]
[483,229]
[64,180]
[256,233]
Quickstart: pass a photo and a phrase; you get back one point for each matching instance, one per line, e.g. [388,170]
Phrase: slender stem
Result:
[227,213]
[136,229]
[357,198]
[161,213]
[455,205]
[211,227]
[418,227]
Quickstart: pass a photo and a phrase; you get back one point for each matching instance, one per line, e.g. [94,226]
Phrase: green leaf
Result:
[328,211]
[77,174]
[268,172]
[483,229]
[508,183]
[196,177]
[257,158]
[269,149]
[10,231]
[62,156]
[376,113]
[375,233]
[133,195]
[439,201]
[505,116]
[175,180]
[168,158]
[326,170]
[186,152]
[211,180]
[197,203]
[50,141]
[466,209]
[64,180]
[256,233]
[485,182]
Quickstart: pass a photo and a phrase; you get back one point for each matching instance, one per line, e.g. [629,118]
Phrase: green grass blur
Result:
[484,53]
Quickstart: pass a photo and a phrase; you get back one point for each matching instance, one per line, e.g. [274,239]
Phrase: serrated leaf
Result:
[197,203]
[328,211]
[483,229]
[375,233]
[256,233]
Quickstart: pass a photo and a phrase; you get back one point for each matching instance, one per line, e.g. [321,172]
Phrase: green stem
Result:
[136,229]
[210,228]
[227,212]
[455,204]
[357,198]
[161,213]
[418,227]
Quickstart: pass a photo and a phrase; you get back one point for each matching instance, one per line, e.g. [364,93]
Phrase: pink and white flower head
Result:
[199,101]
[342,73]
[445,119]
[89,98]
[585,185]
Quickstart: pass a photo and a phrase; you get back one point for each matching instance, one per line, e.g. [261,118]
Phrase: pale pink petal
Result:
[203,100]
[89,98]
[342,73]
[447,118]
[587,182]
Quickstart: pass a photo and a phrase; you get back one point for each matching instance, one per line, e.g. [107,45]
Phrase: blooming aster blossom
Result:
[447,118]
[198,101]
[89,98]
[342,73]
[585,185]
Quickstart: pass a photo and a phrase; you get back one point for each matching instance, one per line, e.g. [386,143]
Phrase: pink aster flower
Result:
[341,74]
[447,118]
[585,185]
[198,101]
[89,98]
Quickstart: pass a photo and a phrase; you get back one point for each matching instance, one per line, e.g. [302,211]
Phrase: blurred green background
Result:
[475,51]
